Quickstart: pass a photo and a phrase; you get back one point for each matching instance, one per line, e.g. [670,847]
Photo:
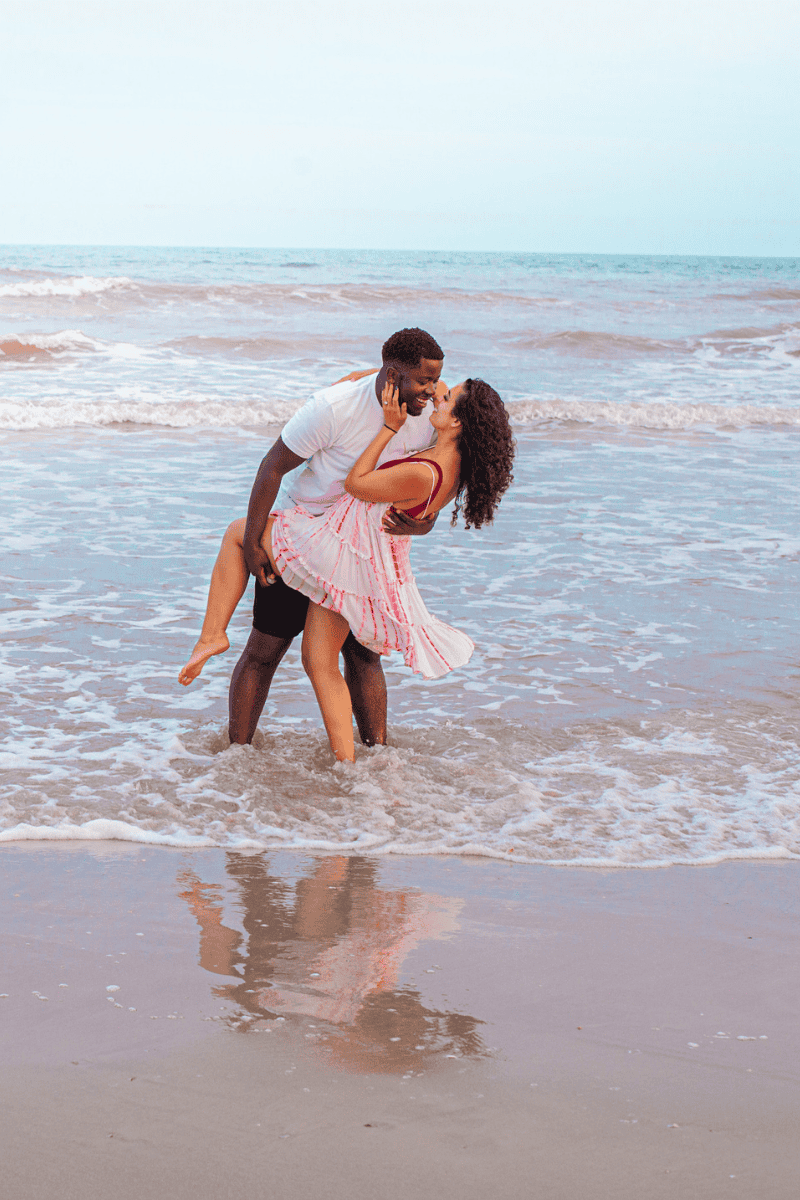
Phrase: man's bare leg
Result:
[250,684]
[364,677]
[228,581]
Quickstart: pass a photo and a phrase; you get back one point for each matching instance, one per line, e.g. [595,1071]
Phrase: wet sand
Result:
[393,1028]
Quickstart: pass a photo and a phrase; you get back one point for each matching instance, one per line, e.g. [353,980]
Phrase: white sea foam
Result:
[651,415]
[99,830]
[50,344]
[600,795]
[82,285]
[194,413]
[143,405]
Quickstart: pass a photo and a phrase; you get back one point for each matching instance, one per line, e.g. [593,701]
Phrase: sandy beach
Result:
[189,1023]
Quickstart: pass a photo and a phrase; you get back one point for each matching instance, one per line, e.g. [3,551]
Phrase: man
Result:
[307,465]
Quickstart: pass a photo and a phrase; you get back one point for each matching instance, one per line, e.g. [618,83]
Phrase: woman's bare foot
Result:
[203,651]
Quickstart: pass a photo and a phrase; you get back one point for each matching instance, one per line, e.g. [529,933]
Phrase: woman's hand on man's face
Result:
[394,413]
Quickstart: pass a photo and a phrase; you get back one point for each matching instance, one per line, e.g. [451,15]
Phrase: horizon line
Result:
[384,250]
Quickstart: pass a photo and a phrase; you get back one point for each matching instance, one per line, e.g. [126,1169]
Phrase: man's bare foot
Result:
[203,651]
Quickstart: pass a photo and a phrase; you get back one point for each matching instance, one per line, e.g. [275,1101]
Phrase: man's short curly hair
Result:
[410,346]
[486,447]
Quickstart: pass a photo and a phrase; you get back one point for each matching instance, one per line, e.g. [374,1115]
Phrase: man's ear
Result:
[392,376]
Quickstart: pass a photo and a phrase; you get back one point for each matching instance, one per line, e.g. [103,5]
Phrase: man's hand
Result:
[277,462]
[258,563]
[402,525]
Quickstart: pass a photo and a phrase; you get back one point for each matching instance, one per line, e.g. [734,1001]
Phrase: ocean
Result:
[633,697]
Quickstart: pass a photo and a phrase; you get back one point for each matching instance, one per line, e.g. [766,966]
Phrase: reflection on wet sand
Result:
[331,948]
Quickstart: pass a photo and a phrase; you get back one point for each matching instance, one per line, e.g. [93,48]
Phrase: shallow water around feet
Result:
[631,697]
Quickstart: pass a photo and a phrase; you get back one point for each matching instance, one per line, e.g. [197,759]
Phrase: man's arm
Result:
[278,461]
[354,376]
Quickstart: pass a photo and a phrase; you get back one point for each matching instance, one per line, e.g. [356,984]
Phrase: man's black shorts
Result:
[279,610]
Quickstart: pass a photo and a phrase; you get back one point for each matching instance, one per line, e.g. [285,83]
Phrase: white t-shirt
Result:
[331,431]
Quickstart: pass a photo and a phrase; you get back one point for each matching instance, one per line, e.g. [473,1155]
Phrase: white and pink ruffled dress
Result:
[344,561]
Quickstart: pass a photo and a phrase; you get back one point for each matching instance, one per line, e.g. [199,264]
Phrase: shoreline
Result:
[103,831]
[383,1026]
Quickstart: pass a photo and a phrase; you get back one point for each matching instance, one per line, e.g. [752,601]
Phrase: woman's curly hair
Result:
[487,452]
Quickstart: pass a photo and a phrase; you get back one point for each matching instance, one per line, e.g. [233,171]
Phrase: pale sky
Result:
[573,125]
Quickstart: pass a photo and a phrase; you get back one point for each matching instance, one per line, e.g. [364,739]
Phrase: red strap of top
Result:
[418,509]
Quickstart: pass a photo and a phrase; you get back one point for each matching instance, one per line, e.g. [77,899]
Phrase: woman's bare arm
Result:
[407,483]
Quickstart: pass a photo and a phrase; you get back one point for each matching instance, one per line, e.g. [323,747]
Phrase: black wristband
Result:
[385,426]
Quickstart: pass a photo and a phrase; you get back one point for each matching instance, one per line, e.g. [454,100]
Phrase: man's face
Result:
[416,384]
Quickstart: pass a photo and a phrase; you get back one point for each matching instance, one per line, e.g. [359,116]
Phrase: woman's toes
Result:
[202,652]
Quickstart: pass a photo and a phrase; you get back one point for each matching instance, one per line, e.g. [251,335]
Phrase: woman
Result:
[357,576]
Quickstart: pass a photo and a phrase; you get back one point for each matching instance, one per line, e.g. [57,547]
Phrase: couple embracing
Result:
[363,466]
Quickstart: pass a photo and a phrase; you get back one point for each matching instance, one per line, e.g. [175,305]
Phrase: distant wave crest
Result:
[78,285]
[269,295]
[594,343]
[47,345]
[652,415]
[781,339]
[776,293]
[188,414]
[244,347]
[198,413]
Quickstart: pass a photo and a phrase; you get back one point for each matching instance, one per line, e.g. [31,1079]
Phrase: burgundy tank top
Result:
[418,509]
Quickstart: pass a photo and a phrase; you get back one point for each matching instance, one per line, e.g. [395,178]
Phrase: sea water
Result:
[633,696]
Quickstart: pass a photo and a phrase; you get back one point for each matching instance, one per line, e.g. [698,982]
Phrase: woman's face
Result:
[443,406]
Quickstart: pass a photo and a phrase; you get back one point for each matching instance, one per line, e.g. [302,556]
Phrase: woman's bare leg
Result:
[323,637]
[228,581]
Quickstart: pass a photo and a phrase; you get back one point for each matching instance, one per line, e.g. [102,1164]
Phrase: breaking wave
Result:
[183,414]
[244,347]
[592,343]
[83,285]
[275,295]
[650,415]
[47,345]
[603,344]
[776,293]
[198,412]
